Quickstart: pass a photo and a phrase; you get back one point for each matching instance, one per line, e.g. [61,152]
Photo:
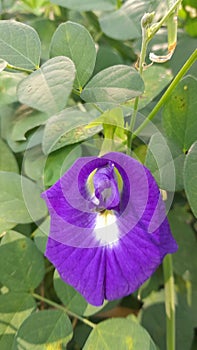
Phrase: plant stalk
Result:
[191,60]
[169,302]
[146,20]
[64,309]
[28,71]
[155,27]
[148,32]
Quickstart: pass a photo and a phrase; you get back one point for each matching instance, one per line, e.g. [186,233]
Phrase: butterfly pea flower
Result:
[108,230]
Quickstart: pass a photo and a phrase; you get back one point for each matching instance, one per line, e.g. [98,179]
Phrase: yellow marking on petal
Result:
[106,229]
[90,183]
[119,179]
[164,195]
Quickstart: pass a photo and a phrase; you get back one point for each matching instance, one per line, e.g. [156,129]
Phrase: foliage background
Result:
[44,114]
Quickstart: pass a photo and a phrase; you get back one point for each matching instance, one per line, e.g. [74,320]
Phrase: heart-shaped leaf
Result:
[190,177]
[7,159]
[19,44]
[46,329]
[20,200]
[8,86]
[70,40]
[87,5]
[124,23]
[23,264]
[114,84]
[180,113]
[14,309]
[119,333]
[66,128]
[48,88]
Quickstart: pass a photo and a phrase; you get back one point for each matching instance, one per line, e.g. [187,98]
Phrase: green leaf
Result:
[48,88]
[190,177]
[184,260]
[112,121]
[106,57]
[32,198]
[114,84]
[7,5]
[59,162]
[191,27]
[46,329]
[191,3]
[20,200]
[81,334]
[165,161]
[6,225]
[87,5]
[124,23]
[183,51]
[14,309]
[72,299]
[69,296]
[10,119]
[113,117]
[67,127]
[34,163]
[3,65]
[23,264]
[45,28]
[8,86]
[139,153]
[18,127]
[26,119]
[19,44]
[71,39]
[35,5]
[41,235]
[153,86]
[153,319]
[119,333]
[7,159]
[7,163]
[180,113]
[92,310]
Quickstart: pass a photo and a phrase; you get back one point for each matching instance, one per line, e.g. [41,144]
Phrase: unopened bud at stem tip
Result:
[147,19]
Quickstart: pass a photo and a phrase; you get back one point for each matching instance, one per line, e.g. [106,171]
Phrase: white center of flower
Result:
[106,229]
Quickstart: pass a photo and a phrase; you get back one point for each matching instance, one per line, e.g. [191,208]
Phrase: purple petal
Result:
[107,256]
[106,188]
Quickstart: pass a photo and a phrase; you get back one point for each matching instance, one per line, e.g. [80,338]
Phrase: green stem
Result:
[172,26]
[76,92]
[29,71]
[167,93]
[155,27]
[141,64]
[169,302]
[64,309]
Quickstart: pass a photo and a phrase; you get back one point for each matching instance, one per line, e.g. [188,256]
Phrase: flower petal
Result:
[83,268]
[107,256]
[112,272]
[106,187]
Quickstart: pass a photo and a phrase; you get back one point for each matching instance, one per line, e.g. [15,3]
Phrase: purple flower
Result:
[109,230]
